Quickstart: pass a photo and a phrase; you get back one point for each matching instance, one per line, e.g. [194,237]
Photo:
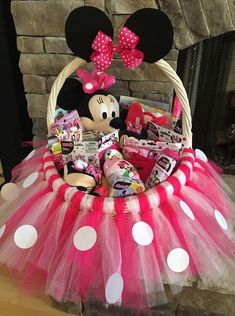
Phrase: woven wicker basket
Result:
[154,195]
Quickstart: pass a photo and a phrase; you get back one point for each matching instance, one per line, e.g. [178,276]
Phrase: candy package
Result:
[80,150]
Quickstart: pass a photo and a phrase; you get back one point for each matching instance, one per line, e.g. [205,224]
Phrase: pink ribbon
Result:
[95,81]
[104,49]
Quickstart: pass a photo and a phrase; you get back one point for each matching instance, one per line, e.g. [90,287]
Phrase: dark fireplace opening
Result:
[207,70]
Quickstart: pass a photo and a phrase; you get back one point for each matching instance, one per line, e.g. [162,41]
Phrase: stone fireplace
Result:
[44,52]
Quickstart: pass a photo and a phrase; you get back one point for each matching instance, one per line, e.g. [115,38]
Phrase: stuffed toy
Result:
[85,177]
[98,109]
[89,34]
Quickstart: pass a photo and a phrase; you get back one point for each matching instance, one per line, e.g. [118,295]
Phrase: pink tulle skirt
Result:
[122,251]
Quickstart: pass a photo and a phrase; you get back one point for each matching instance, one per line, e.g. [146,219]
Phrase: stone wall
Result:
[44,52]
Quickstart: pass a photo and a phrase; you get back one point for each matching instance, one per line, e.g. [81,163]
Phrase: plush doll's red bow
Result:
[103,50]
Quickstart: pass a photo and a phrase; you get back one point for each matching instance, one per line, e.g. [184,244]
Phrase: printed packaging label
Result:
[75,150]
[162,134]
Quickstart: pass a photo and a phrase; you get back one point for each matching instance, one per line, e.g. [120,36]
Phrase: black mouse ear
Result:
[155,31]
[70,94]
[81,28]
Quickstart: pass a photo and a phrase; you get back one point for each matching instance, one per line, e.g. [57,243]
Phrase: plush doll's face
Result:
[103,109]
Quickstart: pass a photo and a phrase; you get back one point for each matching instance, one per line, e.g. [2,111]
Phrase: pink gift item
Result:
[163,134]
[161,120]
[113,154]
[119,168]
[108,142]
[163,167]
[152,145]
[121,171]
[124,187]
[177,110]
[129,152]
[69,127]
[80,150]
[134,118]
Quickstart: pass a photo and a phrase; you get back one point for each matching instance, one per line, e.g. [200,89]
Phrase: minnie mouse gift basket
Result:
[118,205]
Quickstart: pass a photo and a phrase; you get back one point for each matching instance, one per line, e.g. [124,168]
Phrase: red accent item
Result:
[102,190]
[135,119]
[143,165]
[150,117]
[177,107]
[135,111]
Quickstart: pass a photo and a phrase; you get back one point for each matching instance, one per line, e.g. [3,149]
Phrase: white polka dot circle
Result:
[30,180]
[221,220]
[89,86]
[178,260]
[201,155]
[85,238]
[10,191]
[25,236]
[187,210]
[30,155]
[114,288]
[2,230]
[142,233]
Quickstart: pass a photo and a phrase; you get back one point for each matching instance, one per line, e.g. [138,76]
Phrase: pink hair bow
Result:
[95,81]
[103,50]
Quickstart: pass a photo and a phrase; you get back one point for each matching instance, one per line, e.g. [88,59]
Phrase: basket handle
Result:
[161,64]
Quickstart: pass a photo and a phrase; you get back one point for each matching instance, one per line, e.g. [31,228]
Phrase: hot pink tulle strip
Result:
[121,251]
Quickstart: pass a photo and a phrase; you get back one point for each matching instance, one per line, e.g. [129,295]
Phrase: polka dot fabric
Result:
[104,50]
[121,251]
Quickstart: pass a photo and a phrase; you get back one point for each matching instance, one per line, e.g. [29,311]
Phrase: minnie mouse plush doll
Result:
[146,36]
[97,108]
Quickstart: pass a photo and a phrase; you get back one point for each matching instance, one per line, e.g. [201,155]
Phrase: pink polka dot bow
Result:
[103,50]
